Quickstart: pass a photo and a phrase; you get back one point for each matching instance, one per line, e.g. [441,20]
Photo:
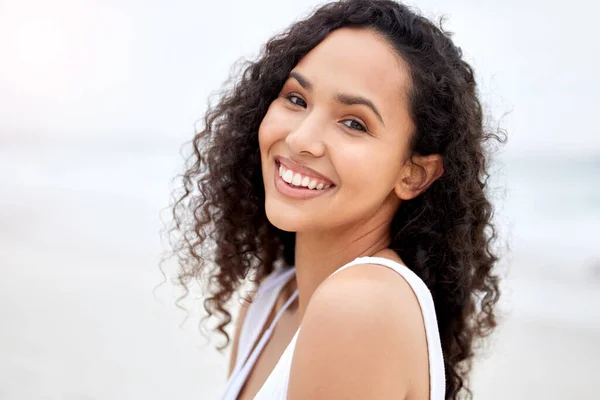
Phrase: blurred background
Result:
[96,100]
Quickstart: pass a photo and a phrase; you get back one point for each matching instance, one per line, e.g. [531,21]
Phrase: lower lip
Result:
[296,192]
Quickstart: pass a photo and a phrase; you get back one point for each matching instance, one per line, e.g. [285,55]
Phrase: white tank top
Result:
[275,387]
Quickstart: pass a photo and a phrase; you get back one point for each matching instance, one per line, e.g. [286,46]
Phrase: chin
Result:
[287,218]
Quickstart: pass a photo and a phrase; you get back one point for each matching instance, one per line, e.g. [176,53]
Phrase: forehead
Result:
[358,61]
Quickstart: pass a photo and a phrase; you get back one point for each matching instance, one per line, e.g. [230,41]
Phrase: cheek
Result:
[272,128]
[368,170]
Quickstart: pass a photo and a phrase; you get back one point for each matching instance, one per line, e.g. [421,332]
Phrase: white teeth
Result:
[288,176]
[297,179]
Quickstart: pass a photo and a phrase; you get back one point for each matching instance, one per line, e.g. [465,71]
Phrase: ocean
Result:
[547,207]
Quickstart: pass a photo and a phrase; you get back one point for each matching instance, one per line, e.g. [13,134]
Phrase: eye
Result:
[355,125]
[299,102]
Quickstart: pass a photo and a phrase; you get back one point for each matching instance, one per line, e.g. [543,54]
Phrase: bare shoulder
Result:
[362,336]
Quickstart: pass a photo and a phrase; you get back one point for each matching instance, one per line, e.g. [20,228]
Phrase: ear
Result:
[417,174]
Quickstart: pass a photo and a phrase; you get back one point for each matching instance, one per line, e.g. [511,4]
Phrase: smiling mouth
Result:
[300,181]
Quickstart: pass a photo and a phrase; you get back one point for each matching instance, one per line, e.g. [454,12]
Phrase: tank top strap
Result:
[256,316]
[425,300]
[259,310]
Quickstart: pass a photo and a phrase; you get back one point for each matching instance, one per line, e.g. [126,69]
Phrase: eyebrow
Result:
[344,98]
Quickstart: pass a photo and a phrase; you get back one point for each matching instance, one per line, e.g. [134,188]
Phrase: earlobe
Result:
[418,174]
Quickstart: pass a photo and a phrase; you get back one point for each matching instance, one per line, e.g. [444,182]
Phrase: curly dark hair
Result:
[445,235]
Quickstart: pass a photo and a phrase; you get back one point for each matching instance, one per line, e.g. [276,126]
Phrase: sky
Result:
[142,72]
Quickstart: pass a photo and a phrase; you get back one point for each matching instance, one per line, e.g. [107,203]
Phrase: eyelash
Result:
[362,127]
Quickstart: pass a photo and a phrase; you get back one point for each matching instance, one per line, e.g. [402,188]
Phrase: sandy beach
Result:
[79,249]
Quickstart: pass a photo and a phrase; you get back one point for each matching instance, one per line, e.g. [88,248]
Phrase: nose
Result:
[307,137]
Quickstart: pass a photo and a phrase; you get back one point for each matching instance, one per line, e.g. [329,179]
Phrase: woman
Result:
[344,176]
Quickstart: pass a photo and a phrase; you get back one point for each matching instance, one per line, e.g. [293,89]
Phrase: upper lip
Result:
[289,164]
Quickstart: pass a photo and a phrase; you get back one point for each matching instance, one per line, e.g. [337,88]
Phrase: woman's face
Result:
[335,141]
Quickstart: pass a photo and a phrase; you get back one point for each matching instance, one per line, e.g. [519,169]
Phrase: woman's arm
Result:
[362,337]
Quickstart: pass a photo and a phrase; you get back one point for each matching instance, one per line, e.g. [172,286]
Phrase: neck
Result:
[319,254]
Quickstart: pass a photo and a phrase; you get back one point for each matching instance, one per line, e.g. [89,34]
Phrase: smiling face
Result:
[334,143]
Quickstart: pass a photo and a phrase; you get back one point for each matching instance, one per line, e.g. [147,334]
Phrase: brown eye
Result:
[355,125]
[299,101]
